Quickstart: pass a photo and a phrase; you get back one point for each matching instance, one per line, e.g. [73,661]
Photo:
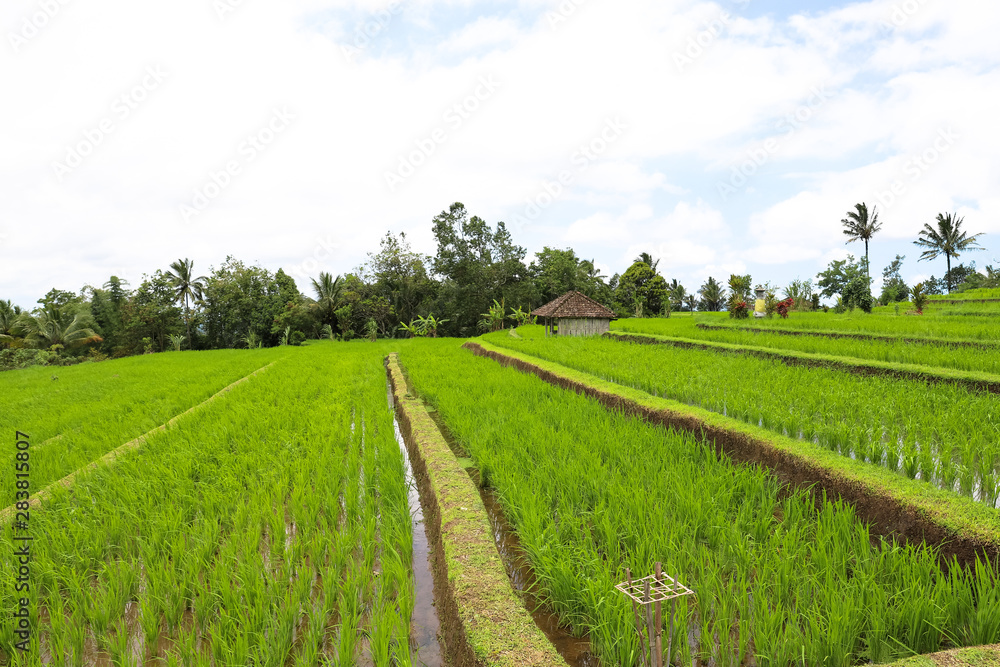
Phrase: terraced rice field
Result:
[271,527]
[975,329]
[898,424]
[779,580]
[983,357]
[270,521]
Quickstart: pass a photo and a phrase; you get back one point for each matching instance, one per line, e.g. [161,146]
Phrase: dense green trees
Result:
[242,300]
[476,264]
[894,288]
[839,273]
[476,269]
[642,291]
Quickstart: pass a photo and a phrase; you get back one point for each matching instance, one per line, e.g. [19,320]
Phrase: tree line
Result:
[477,281]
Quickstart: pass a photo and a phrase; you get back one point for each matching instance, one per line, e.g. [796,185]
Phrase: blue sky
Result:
[721,137]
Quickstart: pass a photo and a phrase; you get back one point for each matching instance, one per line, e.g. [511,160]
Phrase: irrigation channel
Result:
[424,623]
[576,651]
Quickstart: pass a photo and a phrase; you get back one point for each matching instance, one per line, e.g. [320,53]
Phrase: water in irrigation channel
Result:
[424,623]
[576,651]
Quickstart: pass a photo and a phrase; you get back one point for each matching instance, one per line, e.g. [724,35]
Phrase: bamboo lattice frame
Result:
[660,590]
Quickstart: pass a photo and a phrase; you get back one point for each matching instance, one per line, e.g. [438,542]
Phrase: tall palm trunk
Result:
[187,320]
[868,264]
[947,258]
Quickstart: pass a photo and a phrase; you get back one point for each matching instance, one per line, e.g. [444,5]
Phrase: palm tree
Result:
[648,260]
[329,291]
[948,240]
[677,294]
[588,272]
[186,287]
[859,225]
[53,327]
[9,314]
[713,295]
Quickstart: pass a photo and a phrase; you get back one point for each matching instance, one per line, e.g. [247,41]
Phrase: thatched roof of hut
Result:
[574,304]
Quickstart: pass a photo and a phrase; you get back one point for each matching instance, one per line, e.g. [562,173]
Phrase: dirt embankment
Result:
[888,516]
[483,622]
[854,336]
[791,360]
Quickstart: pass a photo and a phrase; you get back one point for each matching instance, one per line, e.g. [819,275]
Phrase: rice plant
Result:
[591,492]
[919,426]
[224,535]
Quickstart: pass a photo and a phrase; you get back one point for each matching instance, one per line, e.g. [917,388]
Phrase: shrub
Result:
[739,310]
[919,298]
[857,294]
[783,307]
[297,338]
[26,357]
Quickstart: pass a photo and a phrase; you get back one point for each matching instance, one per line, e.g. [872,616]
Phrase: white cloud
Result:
[324,177]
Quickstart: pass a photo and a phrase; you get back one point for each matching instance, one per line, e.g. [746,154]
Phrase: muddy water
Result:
[424,623]
[576,651]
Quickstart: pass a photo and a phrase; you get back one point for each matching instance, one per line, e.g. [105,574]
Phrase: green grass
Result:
[890,351]
[591,492]
[901,425]
[982,293]
[93,408]
[882,323]
[270,527]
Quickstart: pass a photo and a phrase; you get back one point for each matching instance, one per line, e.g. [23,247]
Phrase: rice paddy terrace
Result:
[827,486]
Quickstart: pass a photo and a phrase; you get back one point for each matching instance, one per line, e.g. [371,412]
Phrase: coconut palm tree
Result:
[9,315]
[186,287]
[646,258]
[677,294]
[947,239]
[589,273]
[860,225]
[329,292]
[52,327]
[713,295]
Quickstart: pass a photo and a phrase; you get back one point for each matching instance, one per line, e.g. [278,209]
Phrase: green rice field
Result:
[271,522]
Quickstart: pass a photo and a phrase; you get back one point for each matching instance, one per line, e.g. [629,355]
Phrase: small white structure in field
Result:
[759,307]
[576,315]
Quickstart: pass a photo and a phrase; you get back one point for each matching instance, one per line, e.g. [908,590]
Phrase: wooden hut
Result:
[575,315]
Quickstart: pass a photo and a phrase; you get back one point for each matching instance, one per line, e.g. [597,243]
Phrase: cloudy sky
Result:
[721,137]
